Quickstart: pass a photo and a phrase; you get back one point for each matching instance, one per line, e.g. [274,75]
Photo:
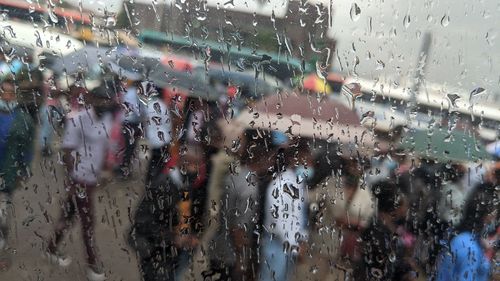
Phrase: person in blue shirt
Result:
[17,127]
[464,259]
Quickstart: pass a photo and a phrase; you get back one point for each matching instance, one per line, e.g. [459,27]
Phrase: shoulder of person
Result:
[288,176]
[463,241]
[74,113]
[25,119]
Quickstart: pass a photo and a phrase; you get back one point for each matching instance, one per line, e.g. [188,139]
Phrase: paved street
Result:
[37,204]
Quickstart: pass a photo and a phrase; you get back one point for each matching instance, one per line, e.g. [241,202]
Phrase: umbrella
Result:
[164,77]
[439,144]
[81,60]
[251,86]
[121,61]
[133,68]
[308,116]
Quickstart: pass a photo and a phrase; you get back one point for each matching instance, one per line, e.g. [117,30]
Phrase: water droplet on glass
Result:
[355,12]
[477,91]
[406,21]
[10,30]
[161,135]
[157,108]
[53,16]
[445,20]
[38,39]
[380,65]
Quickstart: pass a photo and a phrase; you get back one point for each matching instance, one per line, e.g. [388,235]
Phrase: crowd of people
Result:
[255,202]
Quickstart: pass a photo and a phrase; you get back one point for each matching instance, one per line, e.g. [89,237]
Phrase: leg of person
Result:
[46,130]
[184,258]
[84,206]
[129,132]
[5,201]
[156,163]
[64,222]
[86,214]
[5,214]
[273,265]
[198,206]
[160,266]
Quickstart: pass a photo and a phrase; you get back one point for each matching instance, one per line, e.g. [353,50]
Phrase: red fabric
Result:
[174,162]
[232,91]
[117,144]
[171,97]
[171,163]
[202,176]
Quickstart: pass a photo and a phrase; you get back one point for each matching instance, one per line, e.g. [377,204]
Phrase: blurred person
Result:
[157,126]
[285,218]
[18,109]
[131,129]
[154,231]
[51,119]
[200,125]
[85,144]
[465,257]
[384,247]
[161,232]
[341,223]
[422,185]
[453,195]
[234,207]
[9,66]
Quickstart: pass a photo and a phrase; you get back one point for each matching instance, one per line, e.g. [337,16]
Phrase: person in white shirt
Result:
[285,218]
[85,145]
[131,129]
[157,127]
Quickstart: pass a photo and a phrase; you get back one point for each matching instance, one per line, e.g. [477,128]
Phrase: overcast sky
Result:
[465,51]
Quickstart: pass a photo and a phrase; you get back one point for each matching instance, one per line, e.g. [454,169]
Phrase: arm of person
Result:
[72,138]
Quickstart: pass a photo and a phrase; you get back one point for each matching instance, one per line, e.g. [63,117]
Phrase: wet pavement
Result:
[36,205]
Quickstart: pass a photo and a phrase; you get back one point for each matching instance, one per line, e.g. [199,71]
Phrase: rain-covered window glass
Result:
[250,140]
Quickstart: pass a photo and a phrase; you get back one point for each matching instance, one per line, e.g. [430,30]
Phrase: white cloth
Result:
[131,100]
[286,208]
[474,176]
[360,209]
[194,126]
[157,124]
[452,203]
[88,138]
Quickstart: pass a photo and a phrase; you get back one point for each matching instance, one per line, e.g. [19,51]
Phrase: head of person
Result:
[256,150]
[348,170]
[12,96]
[8,98]
[481,210]
[103,98]
[453,172]
[390,200]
